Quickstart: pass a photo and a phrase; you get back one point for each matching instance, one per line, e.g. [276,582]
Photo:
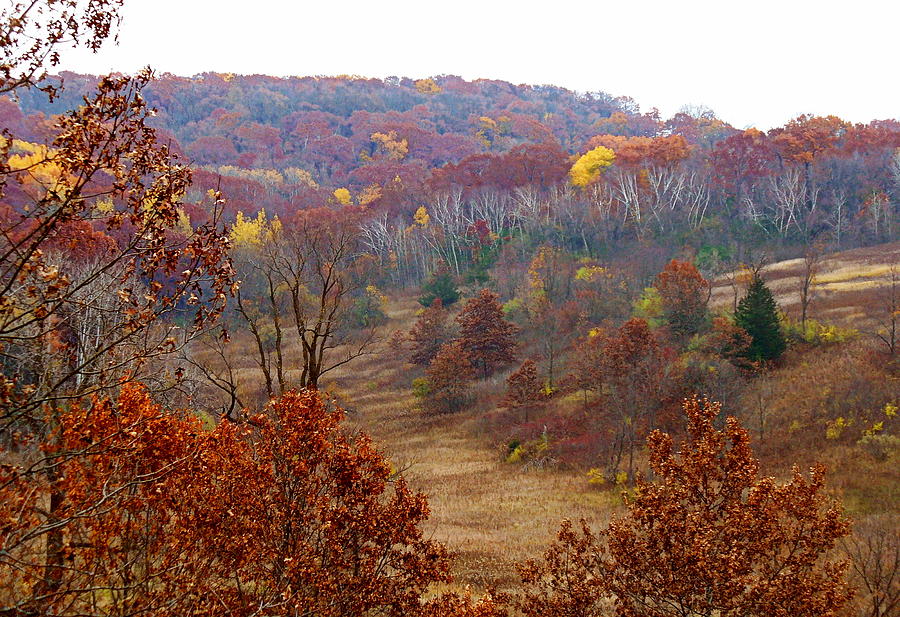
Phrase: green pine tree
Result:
[441,286]
[757,314]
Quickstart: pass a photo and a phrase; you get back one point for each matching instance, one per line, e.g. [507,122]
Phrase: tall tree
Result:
[637,384]
[684,294]
[757,315]
[102,273]
[484,334]
[429,333]
[304,277]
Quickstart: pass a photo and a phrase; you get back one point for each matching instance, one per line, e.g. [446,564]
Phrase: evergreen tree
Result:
[757,315]
[440,286]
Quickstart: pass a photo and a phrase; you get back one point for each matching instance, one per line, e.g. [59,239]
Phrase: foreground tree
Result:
[485,335]
[34,33]
[757,315]
[711,536]
[103,276]
[707,537]
[285,514]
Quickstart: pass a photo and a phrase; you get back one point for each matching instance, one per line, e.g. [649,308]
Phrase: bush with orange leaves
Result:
[707,537]
[283,514]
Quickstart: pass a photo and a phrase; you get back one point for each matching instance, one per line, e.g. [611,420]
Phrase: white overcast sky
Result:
[758,62]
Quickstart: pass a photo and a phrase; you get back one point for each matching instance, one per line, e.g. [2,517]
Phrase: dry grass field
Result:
[846,289]
[490,513]
[494,514]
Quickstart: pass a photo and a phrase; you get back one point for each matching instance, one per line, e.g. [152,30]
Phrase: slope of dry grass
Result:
[846,289]
[491,514]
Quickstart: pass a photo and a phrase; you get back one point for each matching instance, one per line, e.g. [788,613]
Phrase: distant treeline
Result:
[504,154]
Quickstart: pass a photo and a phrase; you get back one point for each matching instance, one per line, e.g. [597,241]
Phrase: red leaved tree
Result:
[429,333]
[450,377]
[684,294]
[485,335]
[285,514]
[524,390]
[636,373]
[296,516]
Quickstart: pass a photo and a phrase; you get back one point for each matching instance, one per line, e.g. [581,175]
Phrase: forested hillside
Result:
[285,144]
[250,327]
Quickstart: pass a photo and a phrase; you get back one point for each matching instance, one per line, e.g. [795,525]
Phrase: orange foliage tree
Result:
[485,335]
[450,376]
[429,333]
[709,536]
[684,294]
[284,514]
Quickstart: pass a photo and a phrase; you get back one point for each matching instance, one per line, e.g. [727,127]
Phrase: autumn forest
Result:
[336,345]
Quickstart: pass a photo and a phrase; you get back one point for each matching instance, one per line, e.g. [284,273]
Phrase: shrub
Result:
[816,333]
[440,286]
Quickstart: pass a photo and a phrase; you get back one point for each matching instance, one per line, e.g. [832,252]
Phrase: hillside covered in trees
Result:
[288,143]
[344,346]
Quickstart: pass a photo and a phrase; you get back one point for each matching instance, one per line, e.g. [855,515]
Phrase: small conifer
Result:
[440,286]
[757,315]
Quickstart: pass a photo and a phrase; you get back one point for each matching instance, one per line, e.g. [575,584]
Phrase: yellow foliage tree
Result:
[184,223]
[421,217]
[427,86]
[41,170]
[590,165]
[295,175]
[368,195]
[390,145]
[266,177]
[342,196]
[489,129]
[253,232]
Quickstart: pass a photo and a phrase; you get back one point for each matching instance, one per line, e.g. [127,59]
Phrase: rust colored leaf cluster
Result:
[685,294]
[707,536]
[285,514]
[485,335]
